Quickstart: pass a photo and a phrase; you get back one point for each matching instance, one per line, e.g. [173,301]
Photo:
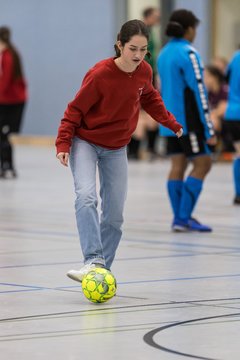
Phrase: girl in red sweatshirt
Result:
[94,132]
[12,99]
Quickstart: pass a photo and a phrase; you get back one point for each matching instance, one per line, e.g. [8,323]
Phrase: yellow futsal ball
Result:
[99,285]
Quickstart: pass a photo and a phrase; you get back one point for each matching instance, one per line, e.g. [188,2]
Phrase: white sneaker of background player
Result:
[78,275]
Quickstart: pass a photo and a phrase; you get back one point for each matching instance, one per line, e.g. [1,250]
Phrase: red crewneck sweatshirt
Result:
[12,91]
[106,108]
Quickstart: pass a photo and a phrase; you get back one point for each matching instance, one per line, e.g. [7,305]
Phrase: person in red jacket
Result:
[13,96]
[95,130]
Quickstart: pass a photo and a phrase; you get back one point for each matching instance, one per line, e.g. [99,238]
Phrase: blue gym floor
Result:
[178,294]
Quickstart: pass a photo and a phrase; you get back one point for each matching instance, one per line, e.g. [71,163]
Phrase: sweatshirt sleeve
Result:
[87,96]
[152,103]
[6,71]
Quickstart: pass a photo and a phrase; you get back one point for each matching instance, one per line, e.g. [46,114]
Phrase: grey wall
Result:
[59,40]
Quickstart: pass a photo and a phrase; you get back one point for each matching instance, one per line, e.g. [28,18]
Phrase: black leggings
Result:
[10,122]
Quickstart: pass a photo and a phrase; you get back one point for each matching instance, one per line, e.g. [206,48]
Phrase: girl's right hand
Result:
[212,140]
[63,158]
[179,133]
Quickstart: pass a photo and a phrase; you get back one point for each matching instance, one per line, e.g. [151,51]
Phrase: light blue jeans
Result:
[99,239]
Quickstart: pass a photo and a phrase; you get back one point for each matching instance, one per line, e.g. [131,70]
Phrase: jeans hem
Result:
[95,260]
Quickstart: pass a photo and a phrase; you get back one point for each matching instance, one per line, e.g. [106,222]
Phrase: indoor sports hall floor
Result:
[178,294]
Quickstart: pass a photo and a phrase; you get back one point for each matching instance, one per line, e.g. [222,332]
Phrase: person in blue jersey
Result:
[231,124]
[184,93]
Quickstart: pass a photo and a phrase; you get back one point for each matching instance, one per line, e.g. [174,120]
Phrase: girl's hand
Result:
[63,158]
[212,140]
[179,133]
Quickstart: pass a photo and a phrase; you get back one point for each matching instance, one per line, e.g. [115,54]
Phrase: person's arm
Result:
[193,75]
[152,103]
[86,97]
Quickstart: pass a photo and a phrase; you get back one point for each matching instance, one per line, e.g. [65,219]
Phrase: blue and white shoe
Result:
[195,225]
[180,226]
[236,200]
[192,224]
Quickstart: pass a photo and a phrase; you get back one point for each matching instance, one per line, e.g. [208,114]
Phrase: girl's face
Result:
[2,45]
[133,52]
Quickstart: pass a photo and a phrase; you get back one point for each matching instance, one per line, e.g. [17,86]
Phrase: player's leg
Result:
[137,138]
[14,123]
[83,161]
[113,191]
[176,175]
[6,152]
[193,185]
[175,181]
[232,132]
[236,173]
[195,149]
[5,145]
[152,135]
[198,151]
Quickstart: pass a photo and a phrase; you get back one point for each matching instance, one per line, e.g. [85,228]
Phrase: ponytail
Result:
[174,29]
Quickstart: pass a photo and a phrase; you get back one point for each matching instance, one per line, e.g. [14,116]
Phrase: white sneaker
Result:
[78,275]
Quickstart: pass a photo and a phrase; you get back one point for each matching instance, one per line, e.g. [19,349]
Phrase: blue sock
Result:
[175,193]
[236,175]
[190,193]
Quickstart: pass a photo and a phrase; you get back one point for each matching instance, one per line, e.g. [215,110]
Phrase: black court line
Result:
[180,279]
[109,311]
[195,253]
[38,232]
[77,334]
[183,244]
[148,337]
[98,309]
[188,254]
[93,331]
[83,331]
[212,322]
[222,306]
[159,232]
[36,288]
[159,242]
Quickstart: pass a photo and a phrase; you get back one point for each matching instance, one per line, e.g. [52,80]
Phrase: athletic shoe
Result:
[8,174]
[190,225]
[236,200]
[78,275]
[195,225]
[180,226]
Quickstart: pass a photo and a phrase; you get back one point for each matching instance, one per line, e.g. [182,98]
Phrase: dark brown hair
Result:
[216,73]
[128,30]
[179,22]
[148,12]
[5,37]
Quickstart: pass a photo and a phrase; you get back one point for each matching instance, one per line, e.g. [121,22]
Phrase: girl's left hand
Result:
[63,158]
[179,133]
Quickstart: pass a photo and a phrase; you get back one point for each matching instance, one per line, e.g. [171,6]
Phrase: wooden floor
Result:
[178,294]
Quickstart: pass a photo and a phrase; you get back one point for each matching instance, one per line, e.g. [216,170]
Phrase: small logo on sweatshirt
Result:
[140,91]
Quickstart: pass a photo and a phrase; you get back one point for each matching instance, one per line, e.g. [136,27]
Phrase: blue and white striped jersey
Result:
[182,87]
[233,75]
